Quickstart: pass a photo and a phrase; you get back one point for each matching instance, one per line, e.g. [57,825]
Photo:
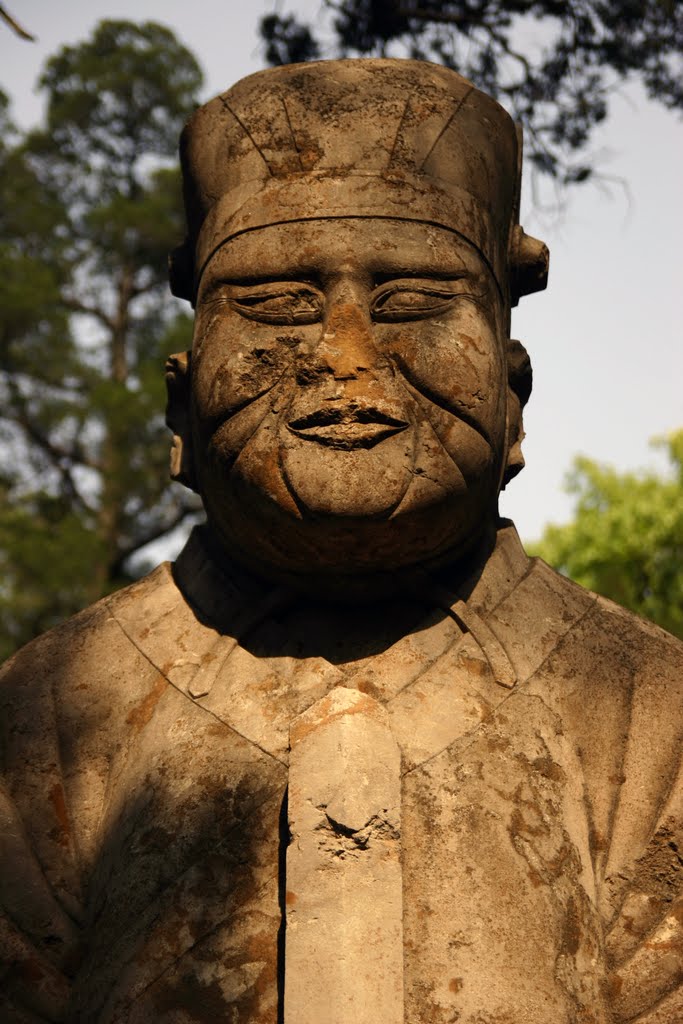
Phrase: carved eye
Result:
[411,300]
[279,303]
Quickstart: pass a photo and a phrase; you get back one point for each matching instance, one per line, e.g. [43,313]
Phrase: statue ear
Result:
[178,383]
[519,389]
[181,272]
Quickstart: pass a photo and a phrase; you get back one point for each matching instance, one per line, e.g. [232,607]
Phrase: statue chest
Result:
[431,863]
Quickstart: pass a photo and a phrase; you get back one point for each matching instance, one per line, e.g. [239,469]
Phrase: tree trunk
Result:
[114,445]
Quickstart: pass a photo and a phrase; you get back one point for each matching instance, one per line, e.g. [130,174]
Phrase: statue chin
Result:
[360,482]
[358,539]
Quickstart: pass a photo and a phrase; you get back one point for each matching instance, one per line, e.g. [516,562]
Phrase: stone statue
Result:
[354,756]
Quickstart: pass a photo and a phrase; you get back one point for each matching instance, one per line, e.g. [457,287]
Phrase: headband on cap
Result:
[356,138]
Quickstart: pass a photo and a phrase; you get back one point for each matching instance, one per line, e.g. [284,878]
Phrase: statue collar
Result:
[232,602]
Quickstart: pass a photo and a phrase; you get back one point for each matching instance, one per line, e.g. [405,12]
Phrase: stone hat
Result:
[356,138]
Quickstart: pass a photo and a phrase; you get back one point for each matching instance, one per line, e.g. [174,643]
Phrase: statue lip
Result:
[347,428]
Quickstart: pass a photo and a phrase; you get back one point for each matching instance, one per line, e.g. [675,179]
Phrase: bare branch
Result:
[14,25]
[76,306]
[58,456]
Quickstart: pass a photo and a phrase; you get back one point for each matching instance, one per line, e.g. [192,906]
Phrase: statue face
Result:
[348,395]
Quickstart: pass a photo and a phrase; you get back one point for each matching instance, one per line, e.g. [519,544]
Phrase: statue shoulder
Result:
[579,642]
[69,700]
[639,639]
[92,636]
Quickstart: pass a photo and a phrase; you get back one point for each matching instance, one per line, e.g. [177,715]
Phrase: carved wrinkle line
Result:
[398,133]
[447,125]
[423,413]
[423,391]
[445,655]
[247,133]
[223,418]
[291,132]
[31,858]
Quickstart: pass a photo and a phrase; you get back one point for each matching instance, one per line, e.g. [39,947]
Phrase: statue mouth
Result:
[348,428]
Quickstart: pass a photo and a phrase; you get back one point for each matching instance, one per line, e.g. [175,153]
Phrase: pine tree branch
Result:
[76,306]
[442,17]
[159,530]
[468,21]
[59,457]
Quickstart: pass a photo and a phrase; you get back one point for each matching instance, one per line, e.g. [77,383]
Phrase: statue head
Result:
[352,403]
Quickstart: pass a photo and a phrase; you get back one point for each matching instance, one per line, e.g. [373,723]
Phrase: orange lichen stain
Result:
[187,996]
[615,983]
[56,797]
[309,150]
[546,767]
[675,942]
[571,937]
[139,716]
[535,878]
[301,729]
[475,666]
[497,744]
[597,842]
[365,686]
[214,728]
[290,898]
[628,924]
[455,984]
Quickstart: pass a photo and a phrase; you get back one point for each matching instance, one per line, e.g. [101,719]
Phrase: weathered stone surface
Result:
[483,760]
[344,882]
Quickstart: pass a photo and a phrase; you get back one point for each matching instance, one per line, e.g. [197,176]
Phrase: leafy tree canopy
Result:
[626,538]
[89,209]
[553,65]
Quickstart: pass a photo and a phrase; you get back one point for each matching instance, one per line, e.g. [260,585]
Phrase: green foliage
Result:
[626,539]
[47,554]
[553,65]
[116,100]
[90,205]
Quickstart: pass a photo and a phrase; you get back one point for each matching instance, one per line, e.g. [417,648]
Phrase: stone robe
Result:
[145,758]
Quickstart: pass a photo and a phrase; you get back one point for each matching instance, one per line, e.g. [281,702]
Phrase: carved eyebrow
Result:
[420,274]
[251,281]
[254,280]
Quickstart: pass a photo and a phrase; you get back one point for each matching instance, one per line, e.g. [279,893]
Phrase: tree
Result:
[626,538]
[90,209]
[558,89]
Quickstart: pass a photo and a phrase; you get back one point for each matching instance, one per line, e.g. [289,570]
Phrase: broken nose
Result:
[347,347]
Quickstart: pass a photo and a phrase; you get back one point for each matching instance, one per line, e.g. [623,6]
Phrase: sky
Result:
[605,339]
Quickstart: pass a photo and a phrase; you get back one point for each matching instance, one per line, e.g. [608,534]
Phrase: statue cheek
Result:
[235,364]
[458,366]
